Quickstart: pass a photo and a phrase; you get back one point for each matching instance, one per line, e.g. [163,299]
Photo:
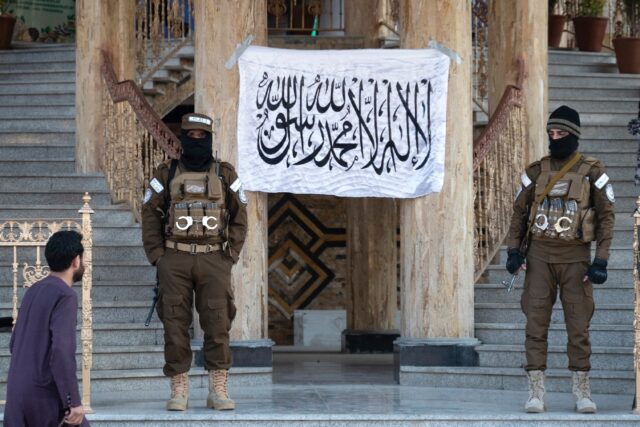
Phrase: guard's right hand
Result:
[75,416]
[515,260]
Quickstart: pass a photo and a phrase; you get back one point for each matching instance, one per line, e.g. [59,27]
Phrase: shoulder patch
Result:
[609,192]
[147,196]
[236,185]
[155,184]
[526,181]
[602,181]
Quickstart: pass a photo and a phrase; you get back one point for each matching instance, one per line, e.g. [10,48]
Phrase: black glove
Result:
[515,260]
[597,271]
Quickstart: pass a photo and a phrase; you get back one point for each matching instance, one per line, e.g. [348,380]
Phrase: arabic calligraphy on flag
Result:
[355,123]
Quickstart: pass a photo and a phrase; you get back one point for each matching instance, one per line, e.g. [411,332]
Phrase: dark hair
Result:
[62,248]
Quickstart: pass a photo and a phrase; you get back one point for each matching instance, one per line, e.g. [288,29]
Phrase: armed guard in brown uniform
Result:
[193,227]
[565,202]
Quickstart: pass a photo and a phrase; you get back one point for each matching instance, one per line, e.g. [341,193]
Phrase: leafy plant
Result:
[632,16]
[591,7]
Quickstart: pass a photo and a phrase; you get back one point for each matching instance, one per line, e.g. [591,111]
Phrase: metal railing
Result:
[305,16]
[480,27]
[26,238]
[162,28]
[136,140]
[498,157]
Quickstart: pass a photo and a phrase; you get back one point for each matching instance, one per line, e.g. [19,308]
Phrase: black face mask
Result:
[196,152]
[564,147]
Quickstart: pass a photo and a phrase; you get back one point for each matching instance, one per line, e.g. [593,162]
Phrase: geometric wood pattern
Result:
[297,239]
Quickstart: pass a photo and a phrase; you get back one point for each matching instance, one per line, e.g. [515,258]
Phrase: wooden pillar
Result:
[99,25]
[519,30]
[371,237]
[219,26]
[361,20]
[436,263]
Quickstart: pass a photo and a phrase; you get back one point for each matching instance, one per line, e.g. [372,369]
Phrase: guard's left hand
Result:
[597,272]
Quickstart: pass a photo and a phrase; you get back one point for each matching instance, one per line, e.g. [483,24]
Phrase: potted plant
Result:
[7,23]
[589,25]
[628,48]
[556,25]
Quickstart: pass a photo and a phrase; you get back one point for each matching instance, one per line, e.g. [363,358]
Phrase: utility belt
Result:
[194,248]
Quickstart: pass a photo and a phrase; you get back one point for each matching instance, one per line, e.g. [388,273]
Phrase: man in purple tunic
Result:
[42,387]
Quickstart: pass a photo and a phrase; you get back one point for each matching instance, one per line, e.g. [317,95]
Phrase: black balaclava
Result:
[568,119]
[197,153]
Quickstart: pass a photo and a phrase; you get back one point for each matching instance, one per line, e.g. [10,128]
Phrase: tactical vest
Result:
[197,213]
[566,213]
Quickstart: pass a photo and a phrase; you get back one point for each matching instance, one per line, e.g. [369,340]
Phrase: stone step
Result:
[620,256]
[619,160]
[513,356]
[607,118]
[569,69]
[514,334]
[576,57]
[103,270]
[36,76]
[107,311]
[567,94]
[104,216]
[610,314]
[36,88]
[71,197]
[101,291]
[37,111]
[41,99]
[73,182]
[602,294]
[600,146]
[116,334]
[594,81]
[23,56]
[37,138]
[606,131]
[34,168]
[615,276]
[64,149]
[614,105]
[610,382]
[50,124]
[21,67]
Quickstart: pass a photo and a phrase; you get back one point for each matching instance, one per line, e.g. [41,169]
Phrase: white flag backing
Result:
[355,123]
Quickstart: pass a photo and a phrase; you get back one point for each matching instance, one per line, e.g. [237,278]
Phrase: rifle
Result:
[153,302]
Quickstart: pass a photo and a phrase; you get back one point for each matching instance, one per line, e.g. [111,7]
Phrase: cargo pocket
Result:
[172,307]
[218,307]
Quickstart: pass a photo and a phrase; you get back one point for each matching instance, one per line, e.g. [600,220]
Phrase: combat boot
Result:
[582,393]
[179,400]
[535,404]
[218,396]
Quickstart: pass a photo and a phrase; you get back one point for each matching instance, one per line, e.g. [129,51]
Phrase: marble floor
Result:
[334,390]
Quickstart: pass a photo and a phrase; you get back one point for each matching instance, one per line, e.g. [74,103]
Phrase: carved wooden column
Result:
[371,237]
[99,25]
[219,26]
[436,263]
[519,29]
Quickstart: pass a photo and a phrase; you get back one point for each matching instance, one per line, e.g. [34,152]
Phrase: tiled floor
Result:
[331,389]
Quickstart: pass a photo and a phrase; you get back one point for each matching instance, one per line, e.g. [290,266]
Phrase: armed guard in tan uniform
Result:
[565,202]
[193,227]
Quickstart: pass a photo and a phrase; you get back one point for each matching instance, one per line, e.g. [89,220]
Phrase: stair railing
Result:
[162,27]
[23,236]
[479,22]
[498,159]
[136,140]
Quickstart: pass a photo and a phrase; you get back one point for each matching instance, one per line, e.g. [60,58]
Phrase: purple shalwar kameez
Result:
[42,380]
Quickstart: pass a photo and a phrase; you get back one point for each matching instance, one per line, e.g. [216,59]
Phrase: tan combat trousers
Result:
[209,276]
[540,291]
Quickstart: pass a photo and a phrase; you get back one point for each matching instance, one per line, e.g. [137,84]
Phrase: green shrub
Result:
[591,7]
[632,16]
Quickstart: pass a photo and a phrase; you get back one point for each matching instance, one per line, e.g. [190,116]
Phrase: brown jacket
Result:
[558,251]
[155,210]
